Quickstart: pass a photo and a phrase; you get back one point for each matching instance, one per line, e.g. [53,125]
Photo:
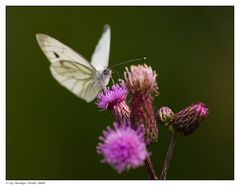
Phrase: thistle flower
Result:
[165,115]
[122,147]
[141,79]
[114,99]
[189,119]
[141,83]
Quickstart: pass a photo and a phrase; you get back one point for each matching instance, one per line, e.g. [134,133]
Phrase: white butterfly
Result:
[73,71]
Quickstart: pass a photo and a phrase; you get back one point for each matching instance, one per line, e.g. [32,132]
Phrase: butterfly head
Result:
[104,77]
[107,72]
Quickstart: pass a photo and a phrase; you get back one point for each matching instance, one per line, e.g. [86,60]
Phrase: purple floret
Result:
[110,96]
[122,147]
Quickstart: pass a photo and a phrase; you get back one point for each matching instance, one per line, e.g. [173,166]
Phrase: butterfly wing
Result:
[69,68]
[100,56]
[77,78]
[57,51]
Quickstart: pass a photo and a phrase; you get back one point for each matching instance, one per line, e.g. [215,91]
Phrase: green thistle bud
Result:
[189,119]
[165,115]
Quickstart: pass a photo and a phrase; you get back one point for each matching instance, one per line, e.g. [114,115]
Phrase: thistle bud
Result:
[141,83]
[165,115]
[189,119]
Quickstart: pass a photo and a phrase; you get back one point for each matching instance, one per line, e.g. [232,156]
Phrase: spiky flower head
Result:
[189,119]
[165,115]
[114,99]
[141,83]
[123,147]
[140,79]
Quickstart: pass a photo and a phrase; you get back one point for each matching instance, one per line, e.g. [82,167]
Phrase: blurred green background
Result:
[51,134]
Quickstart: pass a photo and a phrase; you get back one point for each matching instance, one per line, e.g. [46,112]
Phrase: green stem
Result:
[150,168]
[168,156]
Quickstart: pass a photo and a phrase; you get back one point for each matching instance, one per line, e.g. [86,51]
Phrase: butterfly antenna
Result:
[129,61]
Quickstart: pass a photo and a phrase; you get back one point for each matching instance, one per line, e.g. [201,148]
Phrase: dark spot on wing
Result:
[56,55]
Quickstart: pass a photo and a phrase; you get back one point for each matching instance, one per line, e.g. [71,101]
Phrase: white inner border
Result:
[235,3]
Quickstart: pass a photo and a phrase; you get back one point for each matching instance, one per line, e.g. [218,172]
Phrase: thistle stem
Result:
[150,168]
[168,156]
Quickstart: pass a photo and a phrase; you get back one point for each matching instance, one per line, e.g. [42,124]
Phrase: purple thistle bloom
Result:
[109,96]
[114,99]
[189,119]
[122,147]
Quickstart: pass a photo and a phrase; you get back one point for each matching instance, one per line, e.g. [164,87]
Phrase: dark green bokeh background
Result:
[51,134]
